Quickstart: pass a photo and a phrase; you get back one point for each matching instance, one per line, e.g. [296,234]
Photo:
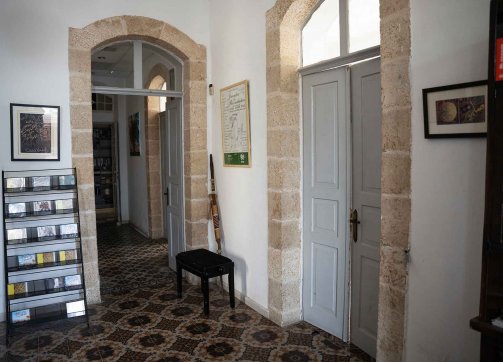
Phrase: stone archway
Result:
[284,24]
[100,33]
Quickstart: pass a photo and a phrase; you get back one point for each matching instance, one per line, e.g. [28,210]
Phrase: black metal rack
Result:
[43,268]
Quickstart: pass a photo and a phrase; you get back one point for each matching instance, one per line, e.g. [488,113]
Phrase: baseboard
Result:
[137,229]
[249,302]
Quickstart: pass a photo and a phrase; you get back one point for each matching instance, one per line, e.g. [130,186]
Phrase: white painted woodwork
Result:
[172,177]
[137,64]
[366,199]
[325,202]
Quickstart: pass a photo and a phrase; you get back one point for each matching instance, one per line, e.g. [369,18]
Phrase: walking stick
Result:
[215,214]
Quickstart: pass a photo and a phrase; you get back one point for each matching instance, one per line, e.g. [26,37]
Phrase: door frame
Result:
[284,22]
[81,42]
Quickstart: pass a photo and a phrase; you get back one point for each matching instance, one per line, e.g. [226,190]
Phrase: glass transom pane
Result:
[321,35]
[363,24]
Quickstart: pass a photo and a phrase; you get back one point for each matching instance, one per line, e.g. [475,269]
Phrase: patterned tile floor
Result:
[147,322]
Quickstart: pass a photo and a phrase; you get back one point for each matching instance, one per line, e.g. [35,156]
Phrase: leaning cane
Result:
[215,214]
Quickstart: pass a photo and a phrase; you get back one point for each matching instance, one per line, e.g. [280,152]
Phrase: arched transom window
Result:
[340,27]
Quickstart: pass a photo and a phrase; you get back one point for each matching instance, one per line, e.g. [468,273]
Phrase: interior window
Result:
[363,24]
[340,27]
[162,100]
[321,35]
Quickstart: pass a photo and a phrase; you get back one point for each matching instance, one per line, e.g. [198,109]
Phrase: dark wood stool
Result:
[205,264]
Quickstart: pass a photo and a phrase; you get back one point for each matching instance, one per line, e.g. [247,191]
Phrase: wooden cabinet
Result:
[491,294]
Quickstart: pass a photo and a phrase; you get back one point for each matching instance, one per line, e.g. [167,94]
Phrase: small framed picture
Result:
[42,207]
[41,183]
[45,258]
[20,316]
[34,132]
[54,283]
[66,181]
[64,206]
[17,209]
[73,280]
[69,230]
[455,111]
[68,255]
[46,231]
[26,260]
[74,309]
[20,288]
[15,184]
[16,234]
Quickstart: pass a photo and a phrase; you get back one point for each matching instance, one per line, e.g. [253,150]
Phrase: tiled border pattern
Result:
[80,45]
[284,22]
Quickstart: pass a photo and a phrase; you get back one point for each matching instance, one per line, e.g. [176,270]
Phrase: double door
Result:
[341,201]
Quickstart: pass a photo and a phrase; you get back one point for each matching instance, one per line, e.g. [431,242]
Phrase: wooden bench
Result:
[205,264]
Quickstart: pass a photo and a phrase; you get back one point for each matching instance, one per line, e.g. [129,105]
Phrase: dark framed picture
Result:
[458,110]
[34,132]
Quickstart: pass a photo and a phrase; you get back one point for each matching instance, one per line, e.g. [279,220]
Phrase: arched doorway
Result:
[284,23]
[98,34]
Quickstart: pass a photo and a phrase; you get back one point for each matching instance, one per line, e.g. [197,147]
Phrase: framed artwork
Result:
[20,316]
[34,132]
[235,108]
[134,134]
[458,110]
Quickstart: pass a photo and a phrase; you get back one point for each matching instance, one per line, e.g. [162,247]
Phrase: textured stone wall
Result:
[284,23]
[395,182]
[100,33]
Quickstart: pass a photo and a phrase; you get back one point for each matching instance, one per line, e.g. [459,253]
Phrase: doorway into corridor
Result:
[138,161]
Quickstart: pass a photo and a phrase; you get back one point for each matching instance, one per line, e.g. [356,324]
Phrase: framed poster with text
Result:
[235,108]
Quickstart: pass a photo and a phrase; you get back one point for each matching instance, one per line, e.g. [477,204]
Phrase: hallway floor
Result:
[141,319]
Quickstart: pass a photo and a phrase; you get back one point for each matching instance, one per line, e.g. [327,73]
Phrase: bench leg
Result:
[178,280]
[206,295]
[231,288]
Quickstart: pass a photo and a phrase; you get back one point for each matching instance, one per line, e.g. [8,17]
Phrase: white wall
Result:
[449,46]
[34,56]
[137,168]
[238,53]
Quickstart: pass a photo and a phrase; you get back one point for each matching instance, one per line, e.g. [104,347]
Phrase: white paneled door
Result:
[341,181]
[325,201]
[172,176]
[366,201]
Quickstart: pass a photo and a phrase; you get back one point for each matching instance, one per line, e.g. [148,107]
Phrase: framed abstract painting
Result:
[34,132]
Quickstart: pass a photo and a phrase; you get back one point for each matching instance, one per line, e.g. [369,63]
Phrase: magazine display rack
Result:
[44,273]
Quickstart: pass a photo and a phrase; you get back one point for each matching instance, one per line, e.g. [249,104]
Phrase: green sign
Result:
[236,159]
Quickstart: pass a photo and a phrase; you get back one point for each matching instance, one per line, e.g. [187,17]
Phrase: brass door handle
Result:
[353,223]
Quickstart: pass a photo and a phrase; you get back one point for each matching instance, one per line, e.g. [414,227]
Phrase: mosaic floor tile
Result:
[141,319]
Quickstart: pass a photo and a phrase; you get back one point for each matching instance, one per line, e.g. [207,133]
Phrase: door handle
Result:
[167,196]
[353,223]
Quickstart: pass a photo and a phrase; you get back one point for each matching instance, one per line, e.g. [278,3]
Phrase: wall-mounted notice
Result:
[235,108]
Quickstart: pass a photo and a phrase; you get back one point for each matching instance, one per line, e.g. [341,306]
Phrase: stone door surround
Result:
[283,42]
[81,43]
